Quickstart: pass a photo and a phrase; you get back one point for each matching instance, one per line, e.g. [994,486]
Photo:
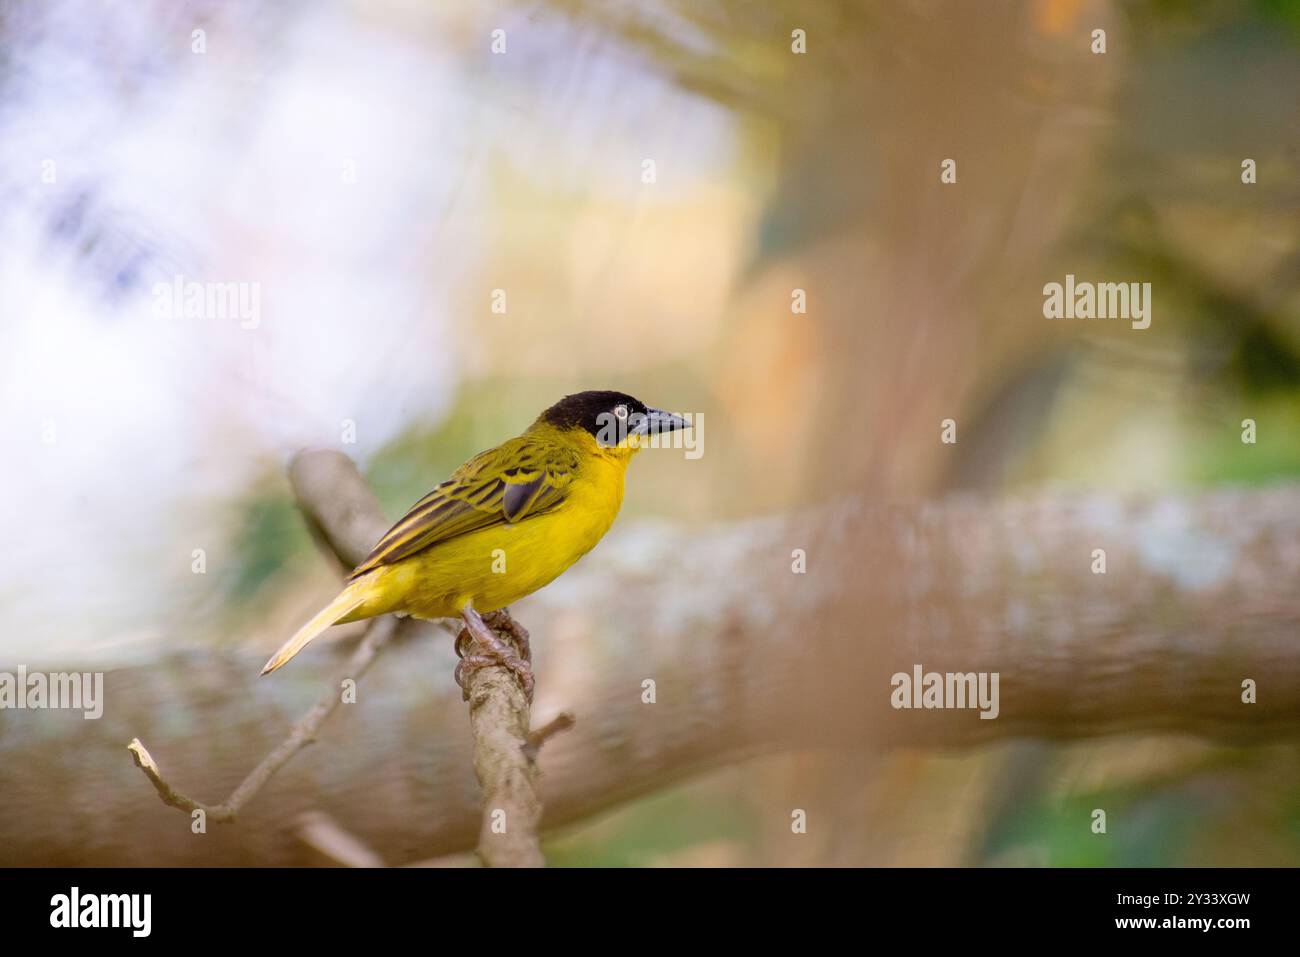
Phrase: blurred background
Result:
[384,179]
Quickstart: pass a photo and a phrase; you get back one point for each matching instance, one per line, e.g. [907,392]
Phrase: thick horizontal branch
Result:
[747,656]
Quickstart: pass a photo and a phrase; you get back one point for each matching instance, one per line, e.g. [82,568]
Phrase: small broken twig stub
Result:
[561,722]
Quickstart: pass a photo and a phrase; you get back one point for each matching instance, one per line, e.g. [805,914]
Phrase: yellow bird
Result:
[507,522]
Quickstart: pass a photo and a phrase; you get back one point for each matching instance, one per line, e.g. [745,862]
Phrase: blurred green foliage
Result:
[1232,807]
[269,545]
[653,830]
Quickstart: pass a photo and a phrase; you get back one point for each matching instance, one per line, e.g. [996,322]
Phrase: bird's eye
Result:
[620,412]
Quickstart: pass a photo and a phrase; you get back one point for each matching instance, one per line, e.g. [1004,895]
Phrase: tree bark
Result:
[746,657]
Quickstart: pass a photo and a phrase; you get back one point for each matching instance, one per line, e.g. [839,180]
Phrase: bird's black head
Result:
[592,410]
[610,416]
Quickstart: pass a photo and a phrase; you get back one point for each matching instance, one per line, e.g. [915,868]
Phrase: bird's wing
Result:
[518,479]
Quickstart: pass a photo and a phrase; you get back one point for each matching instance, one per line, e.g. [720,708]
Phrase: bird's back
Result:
[508,522]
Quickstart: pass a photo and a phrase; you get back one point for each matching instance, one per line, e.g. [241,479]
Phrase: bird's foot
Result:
[517,666]
[478,646]
[500,621]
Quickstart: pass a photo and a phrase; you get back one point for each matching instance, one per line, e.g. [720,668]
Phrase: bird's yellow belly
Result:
[493,567]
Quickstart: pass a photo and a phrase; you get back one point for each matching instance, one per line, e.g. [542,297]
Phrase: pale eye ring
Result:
[620,412]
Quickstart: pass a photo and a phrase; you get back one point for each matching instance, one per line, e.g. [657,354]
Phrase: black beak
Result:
[656,421]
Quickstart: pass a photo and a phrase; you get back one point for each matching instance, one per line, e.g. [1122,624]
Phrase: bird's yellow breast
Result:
[496,566]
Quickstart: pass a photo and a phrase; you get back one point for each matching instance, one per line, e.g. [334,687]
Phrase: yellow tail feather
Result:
[347,601]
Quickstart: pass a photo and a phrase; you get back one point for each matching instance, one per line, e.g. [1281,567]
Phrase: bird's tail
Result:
[347,601]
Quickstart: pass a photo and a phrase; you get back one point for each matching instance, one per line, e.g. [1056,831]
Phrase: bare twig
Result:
[344,512]
[170,796]
[330,839]
[300,735]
